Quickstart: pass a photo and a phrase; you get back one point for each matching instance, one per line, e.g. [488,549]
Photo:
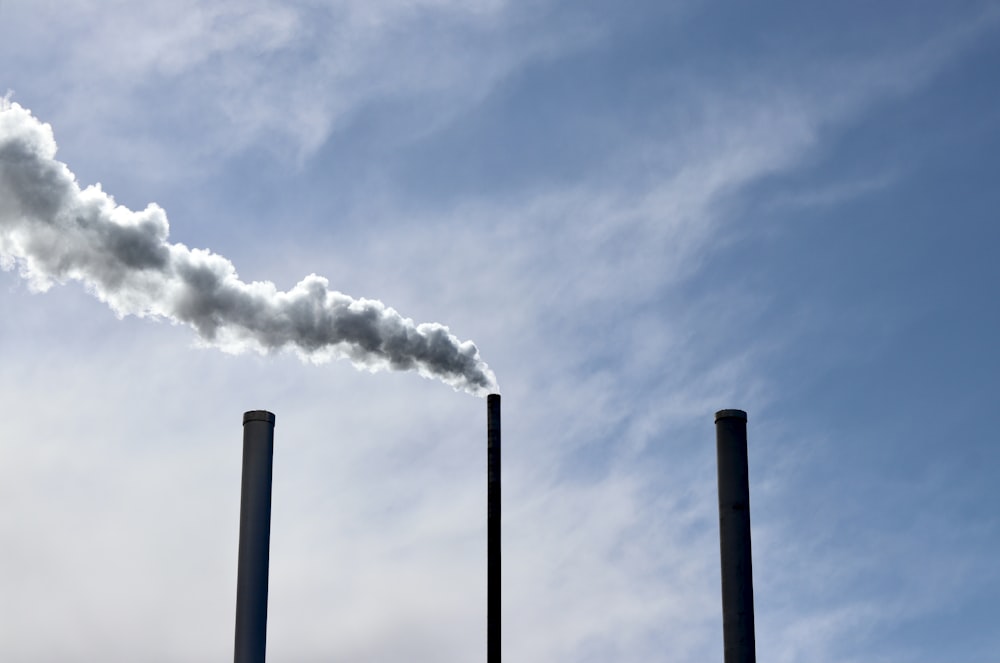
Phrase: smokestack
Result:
[255,535]
[734,536]
[493,528]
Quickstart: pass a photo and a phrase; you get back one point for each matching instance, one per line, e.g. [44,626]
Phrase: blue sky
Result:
[640,214]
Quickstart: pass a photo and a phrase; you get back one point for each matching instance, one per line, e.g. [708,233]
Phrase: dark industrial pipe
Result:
[734,536]
[493,529]
[255,535]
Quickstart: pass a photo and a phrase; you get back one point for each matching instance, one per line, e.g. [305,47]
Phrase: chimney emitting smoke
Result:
[493,604]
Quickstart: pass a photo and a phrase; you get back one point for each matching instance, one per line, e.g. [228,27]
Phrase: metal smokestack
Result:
[493,528]
[255,535]
[734,536]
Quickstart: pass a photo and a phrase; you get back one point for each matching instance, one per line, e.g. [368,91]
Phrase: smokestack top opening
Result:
[258,415]
[493,397]
[730,414]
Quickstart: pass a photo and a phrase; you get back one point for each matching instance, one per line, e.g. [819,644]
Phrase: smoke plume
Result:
[53,231]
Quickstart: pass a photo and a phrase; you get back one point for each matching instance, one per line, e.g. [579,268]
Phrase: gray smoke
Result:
[53,231]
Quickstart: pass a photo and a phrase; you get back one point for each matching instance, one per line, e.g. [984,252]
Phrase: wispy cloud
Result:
[283,76]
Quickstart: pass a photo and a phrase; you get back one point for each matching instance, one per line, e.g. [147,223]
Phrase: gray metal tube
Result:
[255,536]
[734,536]
[493,528]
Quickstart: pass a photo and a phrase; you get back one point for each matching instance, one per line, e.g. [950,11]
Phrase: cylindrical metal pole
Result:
[734,536]
[255,535]
[493,528]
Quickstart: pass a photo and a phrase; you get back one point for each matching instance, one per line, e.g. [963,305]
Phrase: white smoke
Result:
[54,231]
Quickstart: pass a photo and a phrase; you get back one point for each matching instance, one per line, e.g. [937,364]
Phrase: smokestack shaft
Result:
[734,536]
[255,535]
[493,529]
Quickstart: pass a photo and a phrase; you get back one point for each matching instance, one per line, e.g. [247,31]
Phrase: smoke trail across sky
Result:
[54,231]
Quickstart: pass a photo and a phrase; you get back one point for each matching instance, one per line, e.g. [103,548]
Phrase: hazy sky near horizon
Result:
[639,213]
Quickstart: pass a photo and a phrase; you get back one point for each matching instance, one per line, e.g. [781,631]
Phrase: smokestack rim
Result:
[730,414]
[258,415]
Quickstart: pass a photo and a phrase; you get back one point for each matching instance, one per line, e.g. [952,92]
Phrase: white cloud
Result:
[224,76]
